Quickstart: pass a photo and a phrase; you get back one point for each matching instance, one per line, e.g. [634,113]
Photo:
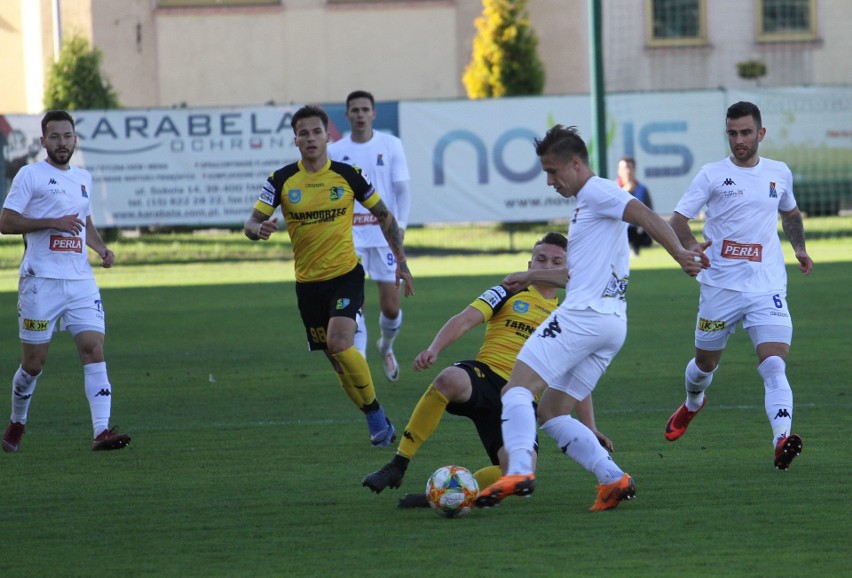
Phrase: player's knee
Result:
[455,387]
[772,366]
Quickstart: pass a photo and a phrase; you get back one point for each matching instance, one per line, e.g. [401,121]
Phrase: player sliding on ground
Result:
[471,388]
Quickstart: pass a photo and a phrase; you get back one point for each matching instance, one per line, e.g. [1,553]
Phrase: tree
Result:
[504,61]
[75,81]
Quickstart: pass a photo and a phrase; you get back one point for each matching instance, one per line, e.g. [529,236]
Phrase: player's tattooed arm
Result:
[794,229]
[390,228]
[393,234]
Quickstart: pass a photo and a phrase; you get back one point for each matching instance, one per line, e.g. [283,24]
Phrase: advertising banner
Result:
[470,160]
[193,167]
[474,160]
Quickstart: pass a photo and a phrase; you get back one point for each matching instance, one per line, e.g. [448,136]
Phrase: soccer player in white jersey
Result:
[382,157]
[49,205]
[563,360]
[747,281]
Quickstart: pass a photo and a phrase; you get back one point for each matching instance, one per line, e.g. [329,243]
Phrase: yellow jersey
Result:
[318,209]
[509,321]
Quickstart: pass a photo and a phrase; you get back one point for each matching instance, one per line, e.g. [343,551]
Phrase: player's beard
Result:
[747,155]
[62,158]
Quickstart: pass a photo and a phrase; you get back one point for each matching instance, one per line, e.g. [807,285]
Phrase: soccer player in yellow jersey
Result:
[472,388]
[317,198]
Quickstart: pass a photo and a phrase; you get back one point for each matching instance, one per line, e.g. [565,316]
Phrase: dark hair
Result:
[628,159]
[53,115]
[308,112]
[360,94]
[553,238]
[743,108]
[562,141]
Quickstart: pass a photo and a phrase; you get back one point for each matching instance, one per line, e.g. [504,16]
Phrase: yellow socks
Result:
[355,377]
[425,418]
[487,476]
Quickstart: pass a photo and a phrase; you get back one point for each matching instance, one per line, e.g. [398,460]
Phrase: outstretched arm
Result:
[451,332]
[519,281]
[689,259]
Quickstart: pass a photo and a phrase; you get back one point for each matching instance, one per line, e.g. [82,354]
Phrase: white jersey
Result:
[41,191]
[598,252]
[742,221]
[382,158]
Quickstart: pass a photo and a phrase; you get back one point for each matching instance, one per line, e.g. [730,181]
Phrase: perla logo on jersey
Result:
[66,244]
[744,251]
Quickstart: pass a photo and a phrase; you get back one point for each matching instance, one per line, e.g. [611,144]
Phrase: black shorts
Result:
[484,407]
[318,302]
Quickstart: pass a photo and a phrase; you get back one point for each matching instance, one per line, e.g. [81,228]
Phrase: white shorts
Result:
[43,302]
[379,263]
[764,316]
[572,349]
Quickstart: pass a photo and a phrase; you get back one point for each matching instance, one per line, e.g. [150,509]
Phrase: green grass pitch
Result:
[247,458]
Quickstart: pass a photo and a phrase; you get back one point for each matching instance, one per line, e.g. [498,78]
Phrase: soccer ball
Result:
[451,491]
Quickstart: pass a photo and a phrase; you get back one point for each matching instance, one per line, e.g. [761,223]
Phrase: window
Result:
[786,20]
[676,22]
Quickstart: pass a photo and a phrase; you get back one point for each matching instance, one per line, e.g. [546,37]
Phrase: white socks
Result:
[519,429]
[580,444]
[779,397]
[389,327]
[361,334]
[696,382]
[23,386]
[99,394]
